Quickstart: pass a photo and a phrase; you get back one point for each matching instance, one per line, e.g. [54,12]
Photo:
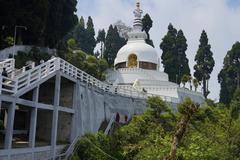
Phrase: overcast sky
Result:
[220,19]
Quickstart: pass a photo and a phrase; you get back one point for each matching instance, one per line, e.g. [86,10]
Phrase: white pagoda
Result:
[137,66]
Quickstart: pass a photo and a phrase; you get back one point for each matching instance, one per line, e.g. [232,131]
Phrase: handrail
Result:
[110,124]
[70,148]
[27,78]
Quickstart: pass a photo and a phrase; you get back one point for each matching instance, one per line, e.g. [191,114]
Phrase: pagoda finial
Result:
[138,4]
[138,17]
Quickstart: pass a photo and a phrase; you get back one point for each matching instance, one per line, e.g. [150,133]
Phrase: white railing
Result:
[69,150]
[76,73]
[106,132]
[25,79]
[9,65]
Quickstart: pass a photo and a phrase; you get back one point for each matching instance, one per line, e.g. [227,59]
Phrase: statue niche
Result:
[132,61]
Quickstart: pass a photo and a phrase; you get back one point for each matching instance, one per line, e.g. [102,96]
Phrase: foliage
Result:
[229,77]
[94,147]
[88,63]
[101,39]
[147,25]
[195,83]
[204,62]
[9,41]
[90,39]
[46,21]
[185,79]
[112,44]
[60,20]
[209,132]
[174,60]
[33,55]
[84,36]
[79,34]
[71,43]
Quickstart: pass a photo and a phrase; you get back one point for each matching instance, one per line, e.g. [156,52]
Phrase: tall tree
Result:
[80,34]
[204,63]
[101,39]
[90,39]
[147,25]
[169,57]
[229,77]
[174,59]
[32,14]
[61,20]
[181,47]
[112,44]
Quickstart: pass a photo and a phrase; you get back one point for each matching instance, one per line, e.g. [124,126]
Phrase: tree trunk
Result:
[101,49]
[204,87]
[181,129]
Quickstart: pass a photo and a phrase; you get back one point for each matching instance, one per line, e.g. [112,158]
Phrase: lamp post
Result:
[15,35]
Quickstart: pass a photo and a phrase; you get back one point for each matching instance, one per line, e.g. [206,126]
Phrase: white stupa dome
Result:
[137,53]
[143,51]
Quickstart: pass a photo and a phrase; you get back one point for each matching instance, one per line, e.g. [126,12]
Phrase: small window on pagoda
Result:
[132,61]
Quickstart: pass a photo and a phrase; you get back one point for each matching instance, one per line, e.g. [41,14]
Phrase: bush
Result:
[33,55]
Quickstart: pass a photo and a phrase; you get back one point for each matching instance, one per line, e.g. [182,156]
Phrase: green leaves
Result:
[204,62]
[147,25]
[211,133]
[88,63]
[174,59]
[112,44]
[229,77]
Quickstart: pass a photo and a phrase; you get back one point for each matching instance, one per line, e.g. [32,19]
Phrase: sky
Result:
[219,18]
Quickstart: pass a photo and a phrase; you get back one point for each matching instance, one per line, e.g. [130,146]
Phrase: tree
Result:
[229,77]
[147,25]
[79,34]
[204,63]
[46,21]
[173,56]
[181,47]
[34,55]
[61,19]
[195,83]
[112,44]
[184,79]
[90,39]
[187,109]
[32,14]
[101,39]
[71,43]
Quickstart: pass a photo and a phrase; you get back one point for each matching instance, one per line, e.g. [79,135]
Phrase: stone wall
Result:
[94,106]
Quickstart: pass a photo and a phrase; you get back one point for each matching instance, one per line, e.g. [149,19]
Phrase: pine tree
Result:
[112,44]
[229,77]
[101,39]
[90,39]
[181,47]
[47,21]
[147,25]
[174,59]
[204,63]
[61,20]
[168,53]
[80,34]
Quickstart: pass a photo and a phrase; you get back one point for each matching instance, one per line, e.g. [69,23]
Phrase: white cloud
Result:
[220,21]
